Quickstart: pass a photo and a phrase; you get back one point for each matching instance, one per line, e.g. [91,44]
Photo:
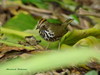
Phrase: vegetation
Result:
[23,51]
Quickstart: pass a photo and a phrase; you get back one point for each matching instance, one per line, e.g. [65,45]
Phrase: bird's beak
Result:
[37,27]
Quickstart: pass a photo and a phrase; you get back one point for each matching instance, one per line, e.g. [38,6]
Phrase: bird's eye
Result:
[43,25]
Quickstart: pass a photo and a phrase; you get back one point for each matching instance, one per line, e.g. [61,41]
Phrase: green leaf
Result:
[72,37]
[16,45]
[41,3]
[21,22]
[93,72]
[64,46]
[55,21]
[14,35]
[90,41]
[38,3]
[75,17]
[70,2]
[95,19]
[48,61]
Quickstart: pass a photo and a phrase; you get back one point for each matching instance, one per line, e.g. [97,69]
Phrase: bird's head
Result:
[41,24]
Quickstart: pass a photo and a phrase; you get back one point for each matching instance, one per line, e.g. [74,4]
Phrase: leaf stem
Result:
[14,32]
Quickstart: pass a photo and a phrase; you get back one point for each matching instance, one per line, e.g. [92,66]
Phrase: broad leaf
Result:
[21,22]
[92,73]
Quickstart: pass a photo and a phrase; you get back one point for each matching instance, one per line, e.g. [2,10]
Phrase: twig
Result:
[17,45]
[28,8]
[35,9]
[3,3]
[14,32]
[40,14]
[86,13]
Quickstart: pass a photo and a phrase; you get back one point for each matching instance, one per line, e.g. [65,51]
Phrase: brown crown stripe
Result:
[42,21]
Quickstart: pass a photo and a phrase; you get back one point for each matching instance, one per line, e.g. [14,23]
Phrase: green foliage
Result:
[75,17]
[72,37]
[70,2]
[38,3]
[16,45]
[41,3]
[21,22]
[15,30]
[10,34]
[55,21]
[90,41]
[64,46]
[48,61]
[92,73]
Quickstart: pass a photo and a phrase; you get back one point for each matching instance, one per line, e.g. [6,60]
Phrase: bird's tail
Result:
[67,22]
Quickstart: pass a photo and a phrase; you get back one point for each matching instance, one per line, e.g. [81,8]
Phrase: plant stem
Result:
[17,45]
[14,32]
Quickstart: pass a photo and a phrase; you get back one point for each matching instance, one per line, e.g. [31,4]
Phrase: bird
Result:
[52,31]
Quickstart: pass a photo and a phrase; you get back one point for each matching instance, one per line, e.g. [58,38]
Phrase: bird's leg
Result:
[47,46]
[59,43]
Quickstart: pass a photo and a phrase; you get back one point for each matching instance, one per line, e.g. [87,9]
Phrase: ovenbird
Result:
[52,31]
